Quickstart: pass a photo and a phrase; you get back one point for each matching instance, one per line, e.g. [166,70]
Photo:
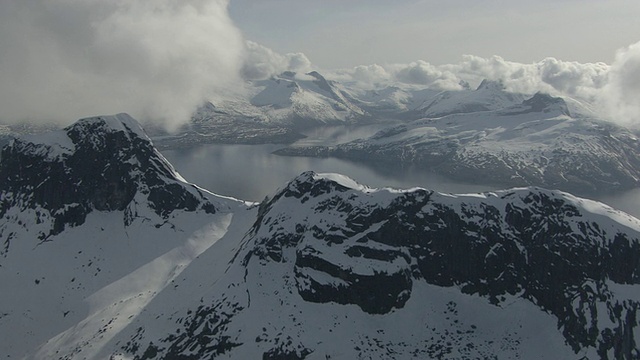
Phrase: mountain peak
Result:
[288,75]
[316,75]
[111,123]
[277,93]
[103,163]
[487,84]
[541,102]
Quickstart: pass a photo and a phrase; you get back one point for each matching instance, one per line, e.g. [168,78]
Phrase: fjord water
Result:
[251,172]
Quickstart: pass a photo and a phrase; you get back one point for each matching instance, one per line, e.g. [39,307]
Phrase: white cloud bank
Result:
[66,59]
[613,89]
[621,94]
[158,60]
[549,75]
[261,62]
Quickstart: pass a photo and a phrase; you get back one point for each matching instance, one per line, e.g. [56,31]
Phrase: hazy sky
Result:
[346,33]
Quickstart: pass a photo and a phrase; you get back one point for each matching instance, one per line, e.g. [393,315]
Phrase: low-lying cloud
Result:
[621,94]
[261,62]
[65,59]
[549,75]
[613,89]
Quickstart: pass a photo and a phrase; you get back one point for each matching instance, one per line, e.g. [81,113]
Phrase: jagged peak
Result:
[84,132]
[109,123]
[542,102]
[316,75]
[102,163]
[277,93]
[288,75]
[323,83]
[487,84]
[310,183]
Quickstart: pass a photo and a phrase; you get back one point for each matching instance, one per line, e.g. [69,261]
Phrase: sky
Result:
[157,60]
[339,33]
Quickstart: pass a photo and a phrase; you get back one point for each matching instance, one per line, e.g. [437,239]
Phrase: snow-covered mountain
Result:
[541,141]
[490,95]
[93,223]
[305,100]
[392,101]
[109,254]
[300,100]
[267,111]
[332,269]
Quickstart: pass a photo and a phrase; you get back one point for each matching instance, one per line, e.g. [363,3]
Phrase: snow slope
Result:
[325,268]
[537,142]
[333,269]
[490,95]
[305,100]
[71,252]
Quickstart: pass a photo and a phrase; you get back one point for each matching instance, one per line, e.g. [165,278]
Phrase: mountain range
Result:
[505,139]
[108,253]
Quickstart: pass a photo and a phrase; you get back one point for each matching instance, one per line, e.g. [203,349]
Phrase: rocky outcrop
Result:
[102,164]
[540,245]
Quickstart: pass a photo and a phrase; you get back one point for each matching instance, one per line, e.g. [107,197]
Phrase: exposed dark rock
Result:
[529,243]
[111,160]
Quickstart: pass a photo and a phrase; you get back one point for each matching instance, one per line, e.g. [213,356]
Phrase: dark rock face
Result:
[111,161]
[542,103]
[376,293]
[529,243]
[487,84]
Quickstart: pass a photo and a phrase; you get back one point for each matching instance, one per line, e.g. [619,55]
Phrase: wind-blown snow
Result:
[123,300]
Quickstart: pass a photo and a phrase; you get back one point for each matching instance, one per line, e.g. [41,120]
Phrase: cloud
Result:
[260,62]
[158,60]
[371,74]
[419,73]
[423,73]
[621,94]
[549,75]
[65,59]
[613,90]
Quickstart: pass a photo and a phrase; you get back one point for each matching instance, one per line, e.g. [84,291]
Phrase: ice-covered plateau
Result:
[107,253]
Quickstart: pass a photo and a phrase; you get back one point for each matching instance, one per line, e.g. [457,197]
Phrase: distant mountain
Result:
[304,100]
[269,111]
[490,95]
[541,141]
[110,254]
[11,131]
[393,101]
[237,122]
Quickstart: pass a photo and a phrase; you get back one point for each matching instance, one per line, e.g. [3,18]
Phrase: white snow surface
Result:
[55,143]
[74,292]
[120,122]
[86,292]
[100,282]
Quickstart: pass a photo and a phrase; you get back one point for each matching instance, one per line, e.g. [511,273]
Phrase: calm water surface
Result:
[251,172]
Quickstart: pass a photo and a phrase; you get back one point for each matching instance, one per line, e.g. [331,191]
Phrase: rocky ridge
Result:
[325,267]
[97,164]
